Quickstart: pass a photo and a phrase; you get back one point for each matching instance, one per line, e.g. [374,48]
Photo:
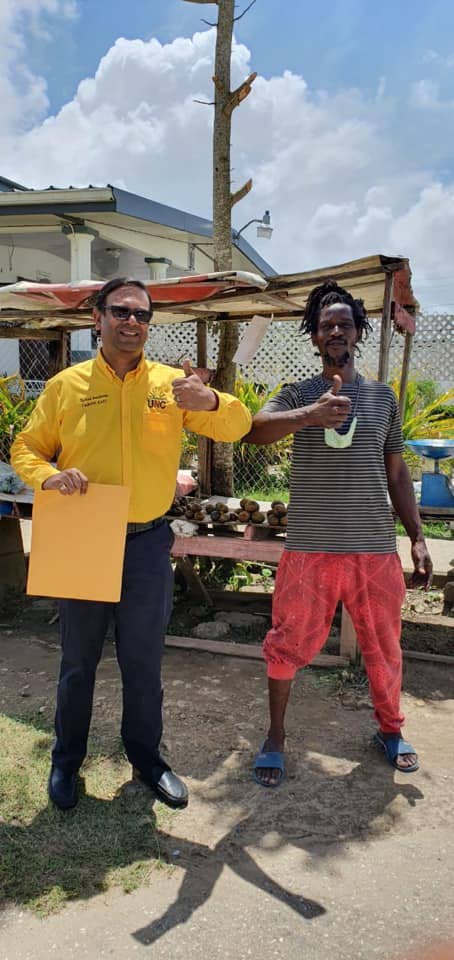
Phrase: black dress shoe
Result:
[166,785]
[63,788]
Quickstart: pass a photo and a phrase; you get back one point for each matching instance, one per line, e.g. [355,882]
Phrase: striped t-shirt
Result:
[338,497]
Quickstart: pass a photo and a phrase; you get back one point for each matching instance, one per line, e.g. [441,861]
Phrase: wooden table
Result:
[258,546]
[255,544]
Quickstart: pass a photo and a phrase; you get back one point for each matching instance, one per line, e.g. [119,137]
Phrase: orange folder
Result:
[78,543]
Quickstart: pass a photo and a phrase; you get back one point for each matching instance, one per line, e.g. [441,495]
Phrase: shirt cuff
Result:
[41,475]
[218,400]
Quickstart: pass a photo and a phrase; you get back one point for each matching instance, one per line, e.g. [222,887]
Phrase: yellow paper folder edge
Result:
[78,543]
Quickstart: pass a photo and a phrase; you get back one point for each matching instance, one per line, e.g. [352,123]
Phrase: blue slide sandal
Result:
[269,760]
[394,747]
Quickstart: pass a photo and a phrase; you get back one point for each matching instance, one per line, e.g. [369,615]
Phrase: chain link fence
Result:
[24,367]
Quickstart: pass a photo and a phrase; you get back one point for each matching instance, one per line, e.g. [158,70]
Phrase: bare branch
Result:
[242,192]
[202,1]
[238,95]
[209,23]
[241,14]
[205,103]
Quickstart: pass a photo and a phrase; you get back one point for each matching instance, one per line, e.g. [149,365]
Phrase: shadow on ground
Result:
[338,790]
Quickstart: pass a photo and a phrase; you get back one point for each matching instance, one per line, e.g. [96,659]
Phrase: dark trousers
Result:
[140,620]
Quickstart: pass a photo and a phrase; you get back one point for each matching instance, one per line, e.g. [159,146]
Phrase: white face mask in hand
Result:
[339,441]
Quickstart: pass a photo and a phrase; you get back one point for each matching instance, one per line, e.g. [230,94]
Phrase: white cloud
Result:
[425,95]
[330,167]
[434,57]
[22,94]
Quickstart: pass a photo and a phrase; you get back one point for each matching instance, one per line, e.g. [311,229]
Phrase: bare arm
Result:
[330,410]
[404,502]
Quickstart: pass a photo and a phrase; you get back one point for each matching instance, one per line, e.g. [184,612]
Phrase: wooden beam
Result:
[26,333]
[73,318]
[386,328]
[405,372]
[246,651]
[231,548]
[348,639]
[428,657]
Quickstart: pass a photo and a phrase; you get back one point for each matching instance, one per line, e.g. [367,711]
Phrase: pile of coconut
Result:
[248,511]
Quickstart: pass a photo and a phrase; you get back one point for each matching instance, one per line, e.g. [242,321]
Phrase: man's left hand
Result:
[190,392]
[422,576]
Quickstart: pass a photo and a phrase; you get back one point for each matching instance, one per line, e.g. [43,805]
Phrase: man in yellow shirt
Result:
[118,419]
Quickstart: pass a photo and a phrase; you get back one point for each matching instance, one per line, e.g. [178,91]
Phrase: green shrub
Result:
[15,410]
[259,468]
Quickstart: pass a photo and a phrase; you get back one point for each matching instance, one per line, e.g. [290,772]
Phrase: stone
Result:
[448,598]
[210,630]
[236,618]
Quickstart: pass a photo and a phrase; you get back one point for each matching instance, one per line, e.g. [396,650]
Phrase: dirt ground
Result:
[347,859]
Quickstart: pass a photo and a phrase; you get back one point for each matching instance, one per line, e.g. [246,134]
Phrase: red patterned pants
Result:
[372,588]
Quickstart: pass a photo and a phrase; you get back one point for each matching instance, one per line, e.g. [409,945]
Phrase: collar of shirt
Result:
[106,369]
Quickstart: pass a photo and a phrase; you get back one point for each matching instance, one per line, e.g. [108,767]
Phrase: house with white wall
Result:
[80,233]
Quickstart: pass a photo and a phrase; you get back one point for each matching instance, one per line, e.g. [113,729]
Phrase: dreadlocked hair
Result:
[326,294]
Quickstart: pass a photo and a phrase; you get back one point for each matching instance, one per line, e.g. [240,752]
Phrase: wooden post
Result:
[12,560]
[348,641]
[405,372]
[195,585]
[385,333]
[204,444]
[58,354]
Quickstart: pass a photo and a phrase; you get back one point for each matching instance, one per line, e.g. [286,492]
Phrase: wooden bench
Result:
[254,545]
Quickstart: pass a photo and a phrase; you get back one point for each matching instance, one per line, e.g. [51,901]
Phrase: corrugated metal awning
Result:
[231,296]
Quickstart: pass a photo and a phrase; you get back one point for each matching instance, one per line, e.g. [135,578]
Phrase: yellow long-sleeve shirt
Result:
[122,432]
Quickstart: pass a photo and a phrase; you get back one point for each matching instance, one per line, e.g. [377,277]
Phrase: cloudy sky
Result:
[348,133]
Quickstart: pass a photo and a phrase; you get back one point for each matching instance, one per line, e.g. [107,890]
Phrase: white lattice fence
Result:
[285,356]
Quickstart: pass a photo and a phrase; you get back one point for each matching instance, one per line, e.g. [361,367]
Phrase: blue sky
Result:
[348,133]
[332,43]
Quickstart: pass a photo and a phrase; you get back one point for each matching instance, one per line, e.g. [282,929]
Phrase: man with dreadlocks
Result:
[341,544]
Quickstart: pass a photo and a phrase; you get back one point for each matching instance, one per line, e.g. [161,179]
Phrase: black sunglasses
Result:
[124,313]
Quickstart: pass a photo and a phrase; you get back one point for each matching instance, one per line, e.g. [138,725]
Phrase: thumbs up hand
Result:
[337,383]
[190,392]
[331,409]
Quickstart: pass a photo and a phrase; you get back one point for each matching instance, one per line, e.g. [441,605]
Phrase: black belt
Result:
[141,527]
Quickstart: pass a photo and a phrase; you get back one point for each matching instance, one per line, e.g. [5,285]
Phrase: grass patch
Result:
[47,856]
[270,493]
[438,530]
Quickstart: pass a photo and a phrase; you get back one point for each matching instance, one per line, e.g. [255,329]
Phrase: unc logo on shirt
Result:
[157,400]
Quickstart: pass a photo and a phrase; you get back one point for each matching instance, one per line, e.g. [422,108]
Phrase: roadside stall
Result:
[52,311]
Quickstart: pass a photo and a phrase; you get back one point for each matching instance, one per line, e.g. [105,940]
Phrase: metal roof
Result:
[8,185]
[80,202]
[283,296]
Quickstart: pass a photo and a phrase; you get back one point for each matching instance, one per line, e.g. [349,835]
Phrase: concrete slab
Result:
[441,551]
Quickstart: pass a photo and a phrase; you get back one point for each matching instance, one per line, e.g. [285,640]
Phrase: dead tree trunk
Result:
[225,102]
[221,459]
[222,453]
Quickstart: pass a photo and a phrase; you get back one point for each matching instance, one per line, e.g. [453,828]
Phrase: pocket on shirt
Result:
[156,427]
